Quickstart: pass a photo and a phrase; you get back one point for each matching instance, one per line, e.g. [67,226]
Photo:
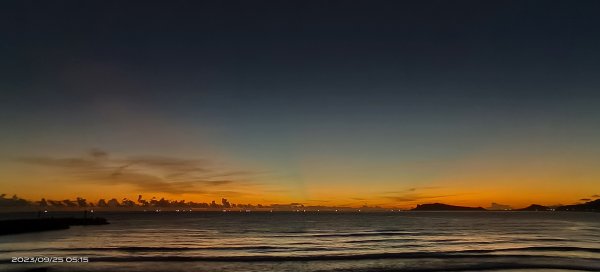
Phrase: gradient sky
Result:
[387,103]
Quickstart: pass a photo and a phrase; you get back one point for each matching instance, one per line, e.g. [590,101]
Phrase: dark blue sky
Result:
[357,82]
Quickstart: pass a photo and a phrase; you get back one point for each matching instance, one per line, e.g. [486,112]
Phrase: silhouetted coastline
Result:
[17,204]
[590,206]
[445,207]
[535,208]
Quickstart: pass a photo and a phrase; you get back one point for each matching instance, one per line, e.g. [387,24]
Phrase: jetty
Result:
[17,226]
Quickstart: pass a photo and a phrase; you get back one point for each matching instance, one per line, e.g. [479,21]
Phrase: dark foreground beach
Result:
[400,241]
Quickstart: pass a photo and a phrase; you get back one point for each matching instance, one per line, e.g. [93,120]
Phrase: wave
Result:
[374,256]
[467,260]
[477,267]
[451,241]
[141,248]
[357,234]
[176,249]
[538,248]
[496,264]
[381,240]
[169,249]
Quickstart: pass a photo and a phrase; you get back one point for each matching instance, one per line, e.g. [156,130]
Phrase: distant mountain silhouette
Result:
[445,207]
[535,208]
[591,206]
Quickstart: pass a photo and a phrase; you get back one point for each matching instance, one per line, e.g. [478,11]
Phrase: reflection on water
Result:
[414,241]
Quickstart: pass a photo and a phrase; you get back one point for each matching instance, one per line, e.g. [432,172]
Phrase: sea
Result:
[314,241]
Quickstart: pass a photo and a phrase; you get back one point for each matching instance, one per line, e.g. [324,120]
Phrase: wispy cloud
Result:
[415,197]
[414,194]
[414,189]
[148,173]
[499,207]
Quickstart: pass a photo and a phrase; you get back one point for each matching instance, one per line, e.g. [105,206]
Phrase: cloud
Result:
[415,197]
[172,165]
[147,173]
[13,201]
[318,200]
[596,196]
[499,207]
[414,189]
[585,199]
[98,154]
[414,194]
[218,182]
[148,183]
[68,163]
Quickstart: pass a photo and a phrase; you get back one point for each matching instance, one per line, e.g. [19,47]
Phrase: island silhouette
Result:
[445,207]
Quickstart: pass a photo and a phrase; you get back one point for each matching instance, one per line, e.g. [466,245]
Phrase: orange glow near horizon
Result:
[465,192]
[506,177]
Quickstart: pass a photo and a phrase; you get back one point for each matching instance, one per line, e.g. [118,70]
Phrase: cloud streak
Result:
[147,173]
[415,197]
[415,194]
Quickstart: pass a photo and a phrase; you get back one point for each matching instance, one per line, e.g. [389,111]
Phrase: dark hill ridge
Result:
[535,208]
[445,207]
[591,206]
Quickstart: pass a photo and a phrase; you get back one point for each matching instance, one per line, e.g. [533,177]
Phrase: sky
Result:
[390,103]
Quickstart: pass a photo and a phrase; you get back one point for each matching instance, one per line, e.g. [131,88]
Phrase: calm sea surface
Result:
[400,241]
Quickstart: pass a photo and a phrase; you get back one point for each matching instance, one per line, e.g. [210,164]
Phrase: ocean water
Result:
[278,241]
